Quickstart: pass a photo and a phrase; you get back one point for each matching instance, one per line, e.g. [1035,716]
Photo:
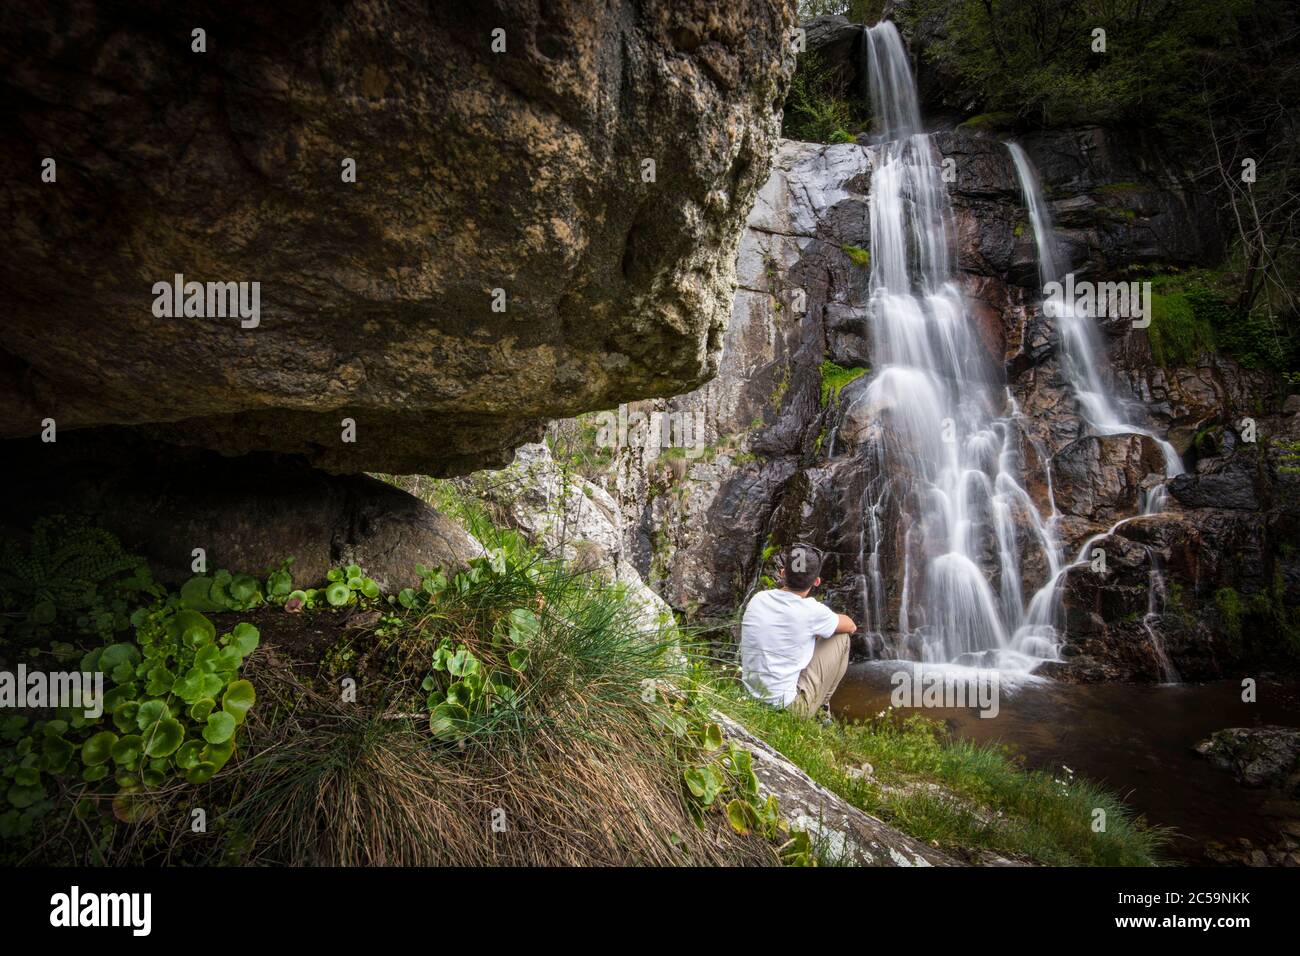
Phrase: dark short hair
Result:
[803,564]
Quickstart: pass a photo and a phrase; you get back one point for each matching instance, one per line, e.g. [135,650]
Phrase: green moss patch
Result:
[835,377]
[989,122]
[858,256]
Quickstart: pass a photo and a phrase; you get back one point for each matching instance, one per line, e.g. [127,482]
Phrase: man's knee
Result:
[838,648]
[823,674]
[836,663]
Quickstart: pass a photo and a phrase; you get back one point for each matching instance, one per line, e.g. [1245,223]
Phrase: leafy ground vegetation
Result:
[508,713]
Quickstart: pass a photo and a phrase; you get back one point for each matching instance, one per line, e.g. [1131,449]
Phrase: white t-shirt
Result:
[777,636]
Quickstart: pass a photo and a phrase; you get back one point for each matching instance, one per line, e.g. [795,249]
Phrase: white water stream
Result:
[1079,354]
[948,454]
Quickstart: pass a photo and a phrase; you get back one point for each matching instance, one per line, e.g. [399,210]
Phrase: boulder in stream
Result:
[1266,756]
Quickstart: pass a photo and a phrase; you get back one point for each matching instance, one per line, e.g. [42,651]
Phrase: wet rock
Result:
[998,315]
[475,171]
[1267,756]
[1186,401]
[1102,477]
[984,169]
[1210,612]
[838,44]
[705,538]
[1225,483]
[1123,200]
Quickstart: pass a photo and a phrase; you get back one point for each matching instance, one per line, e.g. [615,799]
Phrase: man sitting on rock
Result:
[794,649]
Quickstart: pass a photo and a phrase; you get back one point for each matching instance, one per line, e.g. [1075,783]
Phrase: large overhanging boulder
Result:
[525,171]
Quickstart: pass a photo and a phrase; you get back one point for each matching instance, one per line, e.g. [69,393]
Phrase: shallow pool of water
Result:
[1137,739]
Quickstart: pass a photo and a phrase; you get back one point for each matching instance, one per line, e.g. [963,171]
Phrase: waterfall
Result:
[948,458]
[945,496]
[1080,353]
[889,81]
[1080,346]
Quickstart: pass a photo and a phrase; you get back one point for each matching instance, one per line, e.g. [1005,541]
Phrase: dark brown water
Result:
[1136,739]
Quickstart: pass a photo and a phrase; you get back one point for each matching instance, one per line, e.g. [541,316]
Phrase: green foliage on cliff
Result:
[989,122]
[819,108]
[1194,311]
[834,378]
[1228,603]
[857,255]
[1257,620]
[1178,332]
[1042,59]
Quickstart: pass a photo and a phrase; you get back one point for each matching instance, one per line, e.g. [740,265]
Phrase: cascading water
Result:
[948,457]
[945,493]
[1080,347]
[1079,351]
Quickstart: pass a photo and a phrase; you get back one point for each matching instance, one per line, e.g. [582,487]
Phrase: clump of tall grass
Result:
[576,765]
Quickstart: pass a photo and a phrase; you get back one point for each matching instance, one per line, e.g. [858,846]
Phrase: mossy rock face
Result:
[989,122]
[1267,756]
[1121,189]
[835,378]
[521,171]
[858,256]
[1209,441]
[1177,331]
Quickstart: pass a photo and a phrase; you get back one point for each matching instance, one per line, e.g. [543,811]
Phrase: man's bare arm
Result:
[846,625]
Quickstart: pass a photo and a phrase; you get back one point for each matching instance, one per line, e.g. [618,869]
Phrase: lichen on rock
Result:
[522,171]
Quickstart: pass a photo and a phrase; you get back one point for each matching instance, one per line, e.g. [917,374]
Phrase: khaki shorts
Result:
[817,681]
